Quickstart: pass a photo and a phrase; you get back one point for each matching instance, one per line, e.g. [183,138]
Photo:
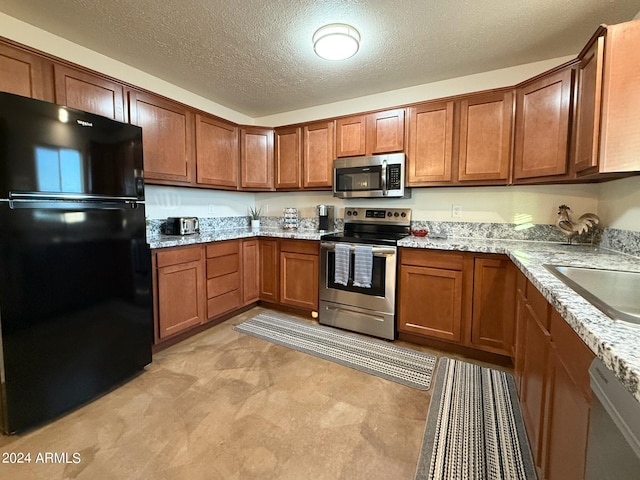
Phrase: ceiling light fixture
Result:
[336,41]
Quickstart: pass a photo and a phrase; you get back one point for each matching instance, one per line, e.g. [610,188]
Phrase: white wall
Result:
[44,41]
[619,203]
[163,202]
[536,204]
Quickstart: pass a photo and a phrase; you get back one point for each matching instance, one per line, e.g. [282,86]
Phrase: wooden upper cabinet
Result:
[217,156]
[375,133]
[168,138]
[24,73]
[91,93]
[430,148]
[319,151]
[288,156]
[485,138]
[256,158]
[350,136]
[607,138]
[542,126]
[385,132]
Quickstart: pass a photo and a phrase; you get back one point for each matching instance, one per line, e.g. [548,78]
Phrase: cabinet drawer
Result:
[300,246]
[223,265]
[223,303]
[571,351]
[431,258]
[175,257]
[539,305]
[223,284]
[220,249]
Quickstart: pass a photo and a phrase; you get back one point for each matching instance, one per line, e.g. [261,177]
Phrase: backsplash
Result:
[624,241]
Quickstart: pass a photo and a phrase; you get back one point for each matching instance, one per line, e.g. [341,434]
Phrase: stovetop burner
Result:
[372,226]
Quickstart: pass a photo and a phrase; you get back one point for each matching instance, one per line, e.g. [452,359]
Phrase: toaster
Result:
[182,226]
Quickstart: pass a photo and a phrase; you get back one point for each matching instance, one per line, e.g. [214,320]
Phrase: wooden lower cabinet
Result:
[250,271]
[180,290]
[269,267]
[223,277]
[459,297]
[299,264]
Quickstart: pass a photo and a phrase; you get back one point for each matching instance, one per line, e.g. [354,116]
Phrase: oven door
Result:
[380,297]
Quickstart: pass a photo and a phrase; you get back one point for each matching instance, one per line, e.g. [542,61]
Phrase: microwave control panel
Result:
[393,173]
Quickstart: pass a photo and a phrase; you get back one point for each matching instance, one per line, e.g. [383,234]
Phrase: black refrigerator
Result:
[75,269]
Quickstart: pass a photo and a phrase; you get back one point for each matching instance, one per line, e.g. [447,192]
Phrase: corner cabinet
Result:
[269,269]
[607,138]
[168,140]
[542,127]
[250,271]
[217,153]
[181,290]
[371,134]
[256,158]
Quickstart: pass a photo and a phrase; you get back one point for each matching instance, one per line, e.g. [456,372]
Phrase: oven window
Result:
[358,179]
[378,274]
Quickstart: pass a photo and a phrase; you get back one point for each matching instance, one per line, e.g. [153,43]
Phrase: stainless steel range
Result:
[358,271]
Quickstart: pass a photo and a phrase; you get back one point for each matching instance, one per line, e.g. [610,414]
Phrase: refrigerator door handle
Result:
[72,197]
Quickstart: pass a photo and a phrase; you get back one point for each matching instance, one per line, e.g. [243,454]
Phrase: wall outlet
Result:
[456,211]
[265,209]
[212,209]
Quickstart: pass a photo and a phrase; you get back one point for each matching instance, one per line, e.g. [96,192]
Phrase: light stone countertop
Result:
[616,343]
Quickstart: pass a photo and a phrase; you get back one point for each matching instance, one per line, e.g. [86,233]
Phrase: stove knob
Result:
[396,214]
[389,214]
[355,213]
[403,214]
[348,213]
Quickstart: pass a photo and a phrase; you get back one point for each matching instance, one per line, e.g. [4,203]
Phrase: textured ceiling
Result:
[256,56]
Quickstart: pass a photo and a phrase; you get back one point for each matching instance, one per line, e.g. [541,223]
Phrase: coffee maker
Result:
[325,218]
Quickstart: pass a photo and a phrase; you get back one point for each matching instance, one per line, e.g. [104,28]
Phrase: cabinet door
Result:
[430,149]
[431,302]
[319,151]
[250,271]
[534,381]
[493,305]
[542,126]
[81,90]
[520,328]
[181,290]
[24,73]
[256,158]
[485,138]
[288,152]
[299,280]
[168,138]
[350,136]
[587,130]
[269,265]
[385,132]
[217,155]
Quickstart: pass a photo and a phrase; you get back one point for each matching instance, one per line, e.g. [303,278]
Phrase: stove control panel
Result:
[397,216]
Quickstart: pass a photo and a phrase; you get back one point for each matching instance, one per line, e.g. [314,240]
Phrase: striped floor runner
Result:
[474,427]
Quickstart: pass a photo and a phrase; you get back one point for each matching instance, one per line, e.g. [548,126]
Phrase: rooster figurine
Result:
[572,228]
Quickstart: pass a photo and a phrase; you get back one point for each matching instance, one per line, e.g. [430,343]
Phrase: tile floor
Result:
[223,405]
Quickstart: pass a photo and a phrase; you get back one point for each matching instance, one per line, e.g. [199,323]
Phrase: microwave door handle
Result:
[384,178]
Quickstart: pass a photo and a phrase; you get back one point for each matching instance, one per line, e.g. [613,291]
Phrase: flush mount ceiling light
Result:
[336,41]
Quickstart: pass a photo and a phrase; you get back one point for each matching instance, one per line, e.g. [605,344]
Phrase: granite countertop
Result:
[164,241]
[616,343]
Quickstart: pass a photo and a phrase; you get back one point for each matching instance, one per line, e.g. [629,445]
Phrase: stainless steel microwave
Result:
[378,176]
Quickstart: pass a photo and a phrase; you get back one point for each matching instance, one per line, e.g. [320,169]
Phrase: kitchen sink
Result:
[615,292]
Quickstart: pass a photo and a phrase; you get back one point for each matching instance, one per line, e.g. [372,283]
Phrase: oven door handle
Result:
[377,251]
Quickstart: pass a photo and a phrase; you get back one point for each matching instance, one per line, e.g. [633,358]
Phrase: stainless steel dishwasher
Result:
[614,428]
